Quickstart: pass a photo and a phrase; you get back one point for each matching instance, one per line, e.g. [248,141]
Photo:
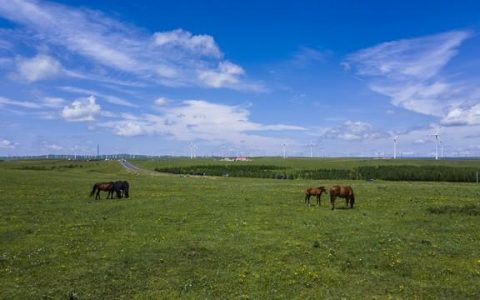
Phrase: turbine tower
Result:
[311,145]
[442,155]
[284,150]
[395,138]
[193,149]
[436,135]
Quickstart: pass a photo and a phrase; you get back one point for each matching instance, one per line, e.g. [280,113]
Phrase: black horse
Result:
[121,188]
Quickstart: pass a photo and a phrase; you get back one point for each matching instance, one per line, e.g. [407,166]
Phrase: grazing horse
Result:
[121,188]
[314,192]
[102,186]
[345,192]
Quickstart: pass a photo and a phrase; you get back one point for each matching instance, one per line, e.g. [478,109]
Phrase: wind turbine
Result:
[284,150]
[395,147]
[436,135]
[193,149]
[75,149]
[311,145]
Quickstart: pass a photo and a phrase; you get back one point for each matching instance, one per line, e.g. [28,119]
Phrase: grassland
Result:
[319,169]
[215,237]
[300,163]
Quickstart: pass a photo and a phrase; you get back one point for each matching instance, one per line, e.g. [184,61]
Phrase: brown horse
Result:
[345,192]
[102,186]
[314,192]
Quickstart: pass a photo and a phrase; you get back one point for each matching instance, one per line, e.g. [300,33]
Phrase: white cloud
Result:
[353,130]
[227,74]
[81,110]
[200,120]
[161,101]
[462,116]
[184,40]
[38,68]
[410,96]
[130,128]
[6,144]
[409,72]
[173,58]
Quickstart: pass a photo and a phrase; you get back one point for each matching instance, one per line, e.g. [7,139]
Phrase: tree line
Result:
[392,173]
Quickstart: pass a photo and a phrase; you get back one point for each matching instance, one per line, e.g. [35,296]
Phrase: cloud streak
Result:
[410,73]
[23,104]
[108,98]
[172,58]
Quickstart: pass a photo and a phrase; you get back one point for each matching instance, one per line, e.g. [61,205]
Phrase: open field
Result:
[324,168]
[217,237]
[309,163]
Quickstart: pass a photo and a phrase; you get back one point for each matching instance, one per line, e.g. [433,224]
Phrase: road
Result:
[129,166]
[133,168]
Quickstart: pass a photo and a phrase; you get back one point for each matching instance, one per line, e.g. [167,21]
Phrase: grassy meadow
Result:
[206,237]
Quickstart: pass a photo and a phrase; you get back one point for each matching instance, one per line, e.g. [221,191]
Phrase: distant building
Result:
[226,159]
[242,158]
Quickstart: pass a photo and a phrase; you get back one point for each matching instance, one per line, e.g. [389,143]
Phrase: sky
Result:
[320,78]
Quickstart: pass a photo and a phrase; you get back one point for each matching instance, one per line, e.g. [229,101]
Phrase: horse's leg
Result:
[307,199]
[332,201]
[97,196]
[318,199]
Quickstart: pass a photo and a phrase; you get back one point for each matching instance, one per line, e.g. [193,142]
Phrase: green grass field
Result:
[308,163]
[231,238]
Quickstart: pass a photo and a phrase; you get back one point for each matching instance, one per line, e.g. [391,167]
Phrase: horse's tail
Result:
[93,190]
[352,199]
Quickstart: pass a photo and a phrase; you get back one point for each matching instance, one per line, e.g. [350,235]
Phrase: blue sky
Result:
[340,78]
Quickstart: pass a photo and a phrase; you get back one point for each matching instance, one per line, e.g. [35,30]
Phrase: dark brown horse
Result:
[314,192]
[102,186]
[345,192]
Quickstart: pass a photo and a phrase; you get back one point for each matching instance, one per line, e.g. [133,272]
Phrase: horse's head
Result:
[322,189]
